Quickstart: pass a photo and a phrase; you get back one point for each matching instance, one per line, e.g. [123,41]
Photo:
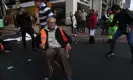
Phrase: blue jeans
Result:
[118,33]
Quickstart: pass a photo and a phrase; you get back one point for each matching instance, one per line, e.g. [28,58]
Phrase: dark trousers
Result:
[83,26]
[105,28]
[30,31]
[73,30]
[118,33]
[79,25]
[58,54]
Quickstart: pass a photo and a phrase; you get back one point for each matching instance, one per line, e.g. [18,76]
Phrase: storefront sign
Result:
[1,23]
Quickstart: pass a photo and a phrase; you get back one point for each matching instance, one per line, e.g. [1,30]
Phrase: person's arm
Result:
[69,39]
[106,16]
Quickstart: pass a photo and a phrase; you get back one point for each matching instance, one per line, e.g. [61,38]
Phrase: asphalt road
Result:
[87,62]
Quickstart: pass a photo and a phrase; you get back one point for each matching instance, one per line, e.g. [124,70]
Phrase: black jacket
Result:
[123,18]
[59,38]
[24,20]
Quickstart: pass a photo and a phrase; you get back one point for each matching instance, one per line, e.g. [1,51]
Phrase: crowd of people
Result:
[80,20]
[54,41]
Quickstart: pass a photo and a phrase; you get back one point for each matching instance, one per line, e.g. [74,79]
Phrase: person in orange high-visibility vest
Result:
[55,42]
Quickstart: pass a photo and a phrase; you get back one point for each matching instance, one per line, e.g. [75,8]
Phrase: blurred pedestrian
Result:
[83,22]
[124,17]
[25,23]
[73,24]
[92,22]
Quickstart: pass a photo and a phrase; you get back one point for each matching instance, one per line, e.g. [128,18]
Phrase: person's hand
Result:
[68,47]
[42,46]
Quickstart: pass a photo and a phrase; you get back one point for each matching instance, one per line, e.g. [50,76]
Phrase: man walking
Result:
[124,17]
[83,18]
[25,23]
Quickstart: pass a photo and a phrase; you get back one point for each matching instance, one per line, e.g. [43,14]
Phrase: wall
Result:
[97,5]
[71,6]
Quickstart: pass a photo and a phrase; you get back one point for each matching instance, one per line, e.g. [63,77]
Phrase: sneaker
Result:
[46,79]
[72,34]
[75,35]
[110,54]
[7,51]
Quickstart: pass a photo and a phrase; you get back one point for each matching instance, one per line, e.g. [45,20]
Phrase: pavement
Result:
[10,30]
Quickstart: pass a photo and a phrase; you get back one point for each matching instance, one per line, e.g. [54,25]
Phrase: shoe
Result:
[7,51]
[46,79]
[69,78]
[75,35]
[110,54]
[72,34]
[131,61]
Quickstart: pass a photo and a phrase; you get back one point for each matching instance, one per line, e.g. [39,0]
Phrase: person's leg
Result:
[75,31]
[103,28]
[23,34]
[82,27]
[30,31]
[93,38]
[62,59]
[72,29]
[77,25]
[130,42]
[49,56]
[84,22]
[113,42]
[110,34]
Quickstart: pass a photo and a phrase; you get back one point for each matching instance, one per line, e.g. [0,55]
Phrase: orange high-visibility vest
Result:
[44,36]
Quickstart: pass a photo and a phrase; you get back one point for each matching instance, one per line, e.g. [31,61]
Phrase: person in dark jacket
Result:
[25,23]
[124,18]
